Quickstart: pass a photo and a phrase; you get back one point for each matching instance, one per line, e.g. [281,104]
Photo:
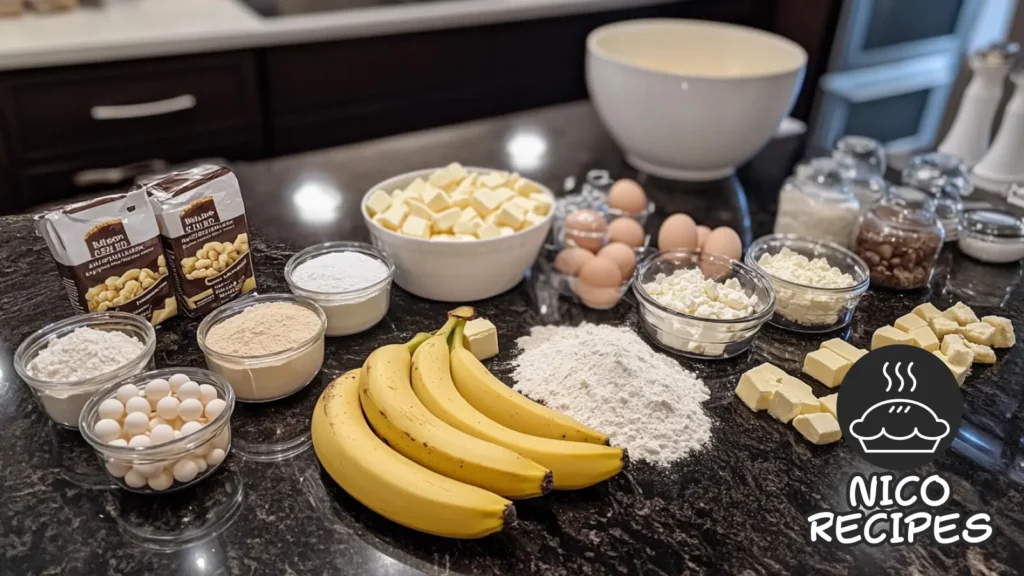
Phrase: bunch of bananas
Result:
[426,436]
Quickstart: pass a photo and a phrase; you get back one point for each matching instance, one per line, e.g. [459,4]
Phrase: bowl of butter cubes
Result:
[458,233]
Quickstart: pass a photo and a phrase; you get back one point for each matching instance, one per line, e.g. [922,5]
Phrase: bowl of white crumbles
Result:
[66,362]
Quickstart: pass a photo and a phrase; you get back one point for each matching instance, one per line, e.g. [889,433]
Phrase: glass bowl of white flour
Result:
[66,362]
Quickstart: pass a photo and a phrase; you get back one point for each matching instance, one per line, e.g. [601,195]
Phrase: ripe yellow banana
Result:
[391,485]
[506,406]
[401,420]
[573,464]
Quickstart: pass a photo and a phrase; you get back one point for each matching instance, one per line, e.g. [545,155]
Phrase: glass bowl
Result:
[63,401]
[352,311]
[641,216]
[694,336]
[151,469]
[266,377]
[804,308]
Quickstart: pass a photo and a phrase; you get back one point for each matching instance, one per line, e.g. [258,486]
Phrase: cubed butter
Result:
[771,369]
[955,352]
[942,326]
[927,311]
[443,237]
[465,237]
[961,314]
[416,188]
[544,203]
[466,187]
[445,221]
[493,179]
[525,188]
[826,367]
[982,354]
[890,336]
[416,227]
[908,322]
[788,403]
[510,215]
[467,227]
[436,199]
[960,373]
[979,333]
[526,204]
[532,219]
[461,201]
[796,384]
[1004,338]
[481,338]
[829,403]
[504,193]
[844,349]
[756,388]
[488,231]
[925,338]
[419,209]
[449,177]
[393,217]
[378,202]
[485,201]
[506,231]
[820,428]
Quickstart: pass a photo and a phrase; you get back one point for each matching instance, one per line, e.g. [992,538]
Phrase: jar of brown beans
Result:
[900,238]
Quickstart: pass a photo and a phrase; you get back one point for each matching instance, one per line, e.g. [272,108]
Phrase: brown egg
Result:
[622,255]
[628,196]
[702,234]
[570,260]
[586,229]
[597,297]
[724,241]
[677,231]
[626,230]
[601,273]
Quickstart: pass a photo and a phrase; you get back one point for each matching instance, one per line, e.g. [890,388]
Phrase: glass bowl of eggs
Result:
[626,198]
[599,280]
[701,305]
[161,430]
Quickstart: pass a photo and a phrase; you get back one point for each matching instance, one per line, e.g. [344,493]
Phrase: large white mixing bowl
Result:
[690,99]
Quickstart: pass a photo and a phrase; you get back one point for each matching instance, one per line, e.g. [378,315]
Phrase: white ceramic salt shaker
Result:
[969,136]
[1002,165]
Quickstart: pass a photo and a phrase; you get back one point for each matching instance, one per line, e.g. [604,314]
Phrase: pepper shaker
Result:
[970,134]
[1002,165]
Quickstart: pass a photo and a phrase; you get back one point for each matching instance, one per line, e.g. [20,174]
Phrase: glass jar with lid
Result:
[816,203]
[862,161]
[992,236]
[900,239]
[947,179]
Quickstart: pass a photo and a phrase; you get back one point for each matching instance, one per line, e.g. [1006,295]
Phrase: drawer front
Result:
[52,113]
[115,169]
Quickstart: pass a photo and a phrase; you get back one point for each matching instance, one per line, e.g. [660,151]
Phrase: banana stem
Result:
[417,340]
[448,327]
[465,312]
[460,329]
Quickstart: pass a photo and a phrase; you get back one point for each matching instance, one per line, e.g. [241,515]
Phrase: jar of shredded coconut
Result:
[816,203]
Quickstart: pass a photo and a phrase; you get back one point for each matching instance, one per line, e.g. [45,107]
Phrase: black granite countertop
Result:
[737,507]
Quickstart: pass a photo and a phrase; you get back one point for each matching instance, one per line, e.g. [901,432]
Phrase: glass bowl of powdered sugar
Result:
[350,281]
[66,362]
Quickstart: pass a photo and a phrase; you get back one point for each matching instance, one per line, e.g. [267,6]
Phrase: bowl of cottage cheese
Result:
[701,305]
[817,284]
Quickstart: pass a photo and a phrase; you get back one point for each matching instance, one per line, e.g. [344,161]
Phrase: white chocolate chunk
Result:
[927,311]
[1004,338]
[909,322]
[960,373]
[844,349]
[979,333]
[956,352]
[820,428]
[982,354]
[925,338]
[890,336]
[942,326]
[961,314]
[826,367]
[788,403]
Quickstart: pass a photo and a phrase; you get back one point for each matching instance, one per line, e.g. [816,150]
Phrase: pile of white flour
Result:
[611,380]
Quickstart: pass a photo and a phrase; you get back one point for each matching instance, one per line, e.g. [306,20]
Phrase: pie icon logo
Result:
[899,407]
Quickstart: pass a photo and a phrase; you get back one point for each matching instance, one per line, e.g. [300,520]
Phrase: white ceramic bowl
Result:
[690,99]
[456,271]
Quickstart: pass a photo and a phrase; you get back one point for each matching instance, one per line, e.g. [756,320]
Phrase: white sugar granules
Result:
[339,272]
[610,379]
[84,353]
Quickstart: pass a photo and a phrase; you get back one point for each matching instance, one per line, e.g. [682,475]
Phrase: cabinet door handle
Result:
[144,109]
[112,176]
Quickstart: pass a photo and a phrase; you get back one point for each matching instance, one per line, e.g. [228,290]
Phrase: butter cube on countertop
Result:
[378,202]
[481,338]
[927,311]
[820,428]
[826,367]
[1004,338]
[925,338]
[757,386]
[960,373]
[961,314]
[788,403]
[908,322]
[890,336]
[844,349]
[979,333]
[982,354]
[942,326]
[416,227]
[829,404]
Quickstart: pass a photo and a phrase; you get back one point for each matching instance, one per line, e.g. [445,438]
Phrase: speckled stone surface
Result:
[737,507]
